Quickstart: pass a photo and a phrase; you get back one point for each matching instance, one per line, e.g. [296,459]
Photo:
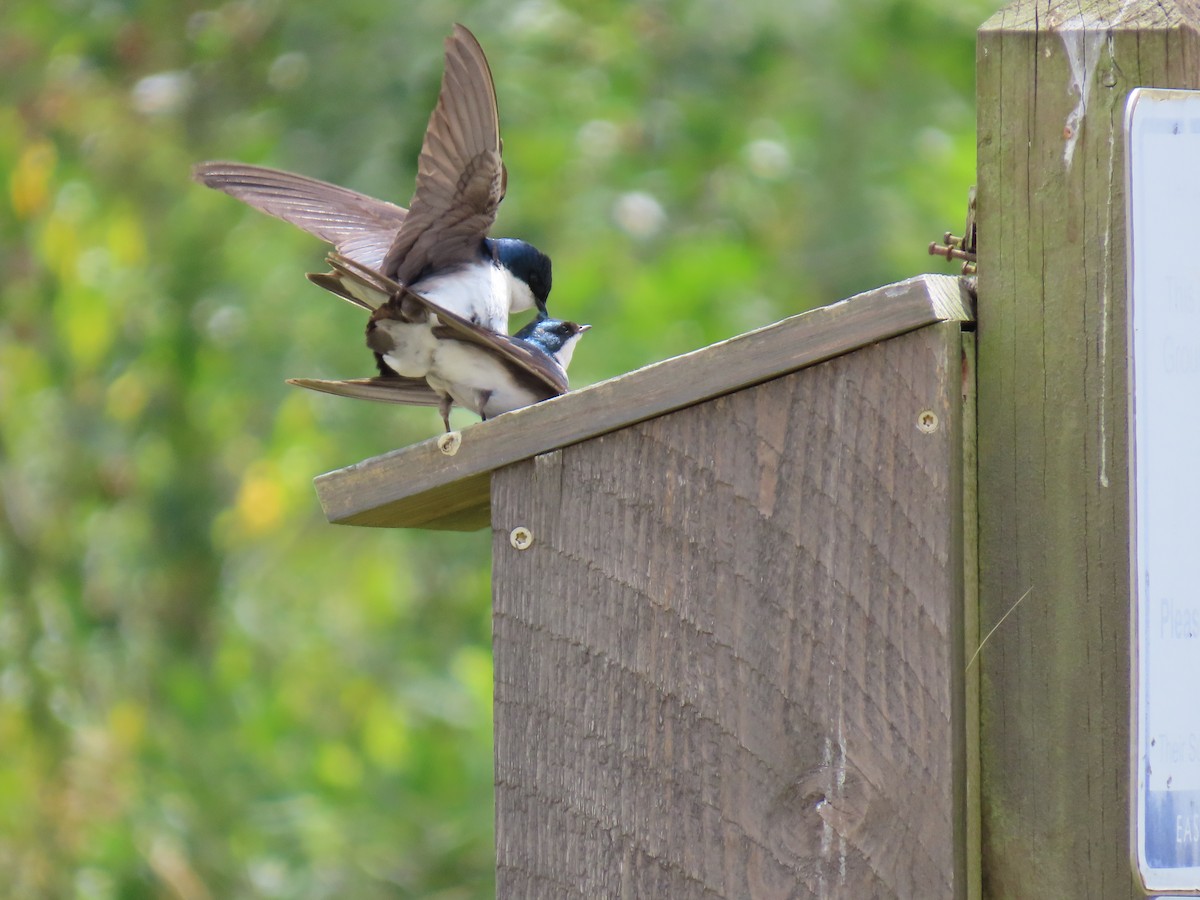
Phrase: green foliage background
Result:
[206,690]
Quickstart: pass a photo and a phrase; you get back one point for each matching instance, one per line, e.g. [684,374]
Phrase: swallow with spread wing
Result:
[474,367]
[438,248]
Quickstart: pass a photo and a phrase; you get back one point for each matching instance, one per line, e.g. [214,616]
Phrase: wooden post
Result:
[728,611]
[1052,81]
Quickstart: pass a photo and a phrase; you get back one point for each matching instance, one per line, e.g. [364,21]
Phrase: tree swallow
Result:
[438,247]
[474,367]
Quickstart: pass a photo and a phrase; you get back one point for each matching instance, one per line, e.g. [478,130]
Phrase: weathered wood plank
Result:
[420,486]
[1053,453]
[971,635]
[730,664]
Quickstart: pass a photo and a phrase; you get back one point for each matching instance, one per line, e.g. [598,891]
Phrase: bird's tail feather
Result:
[385,389]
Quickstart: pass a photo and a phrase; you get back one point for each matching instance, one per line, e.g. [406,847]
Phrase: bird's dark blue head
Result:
[527,263]
[553,336]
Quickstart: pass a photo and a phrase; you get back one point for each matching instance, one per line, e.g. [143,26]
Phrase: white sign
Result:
[1163,214]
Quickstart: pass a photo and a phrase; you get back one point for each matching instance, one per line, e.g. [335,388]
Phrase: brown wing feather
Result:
[460,174]
[331,282]
[359,227]
[386,389]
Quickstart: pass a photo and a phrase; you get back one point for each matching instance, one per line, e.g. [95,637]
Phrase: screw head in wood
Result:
[927,421]
[521,538]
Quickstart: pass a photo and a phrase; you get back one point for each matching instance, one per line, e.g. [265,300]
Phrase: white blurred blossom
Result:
[767,158]
[288,71]
[163,93]
[598,139]
[639,214]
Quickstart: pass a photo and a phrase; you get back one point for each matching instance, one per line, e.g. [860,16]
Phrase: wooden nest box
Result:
[727,609]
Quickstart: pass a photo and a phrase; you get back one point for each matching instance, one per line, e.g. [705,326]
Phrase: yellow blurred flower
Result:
[29,182]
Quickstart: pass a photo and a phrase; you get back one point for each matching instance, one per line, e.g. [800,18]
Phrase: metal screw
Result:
[927,421]
[521,538]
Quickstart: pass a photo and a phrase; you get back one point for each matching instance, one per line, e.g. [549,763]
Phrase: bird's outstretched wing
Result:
[521,356]
[386,389]
[362,295]
[460,174]
[359,227]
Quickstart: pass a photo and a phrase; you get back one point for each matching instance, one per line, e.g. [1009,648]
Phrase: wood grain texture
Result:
[420,486]
[730,664]
[1053,79]
[971,635]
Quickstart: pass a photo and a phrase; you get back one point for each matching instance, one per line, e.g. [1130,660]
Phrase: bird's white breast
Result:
[564,354]
[476,379]
[520,297]
[478,292]
[412,349]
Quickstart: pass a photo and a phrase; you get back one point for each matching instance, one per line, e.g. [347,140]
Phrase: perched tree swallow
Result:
[438,247]
[479,369]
